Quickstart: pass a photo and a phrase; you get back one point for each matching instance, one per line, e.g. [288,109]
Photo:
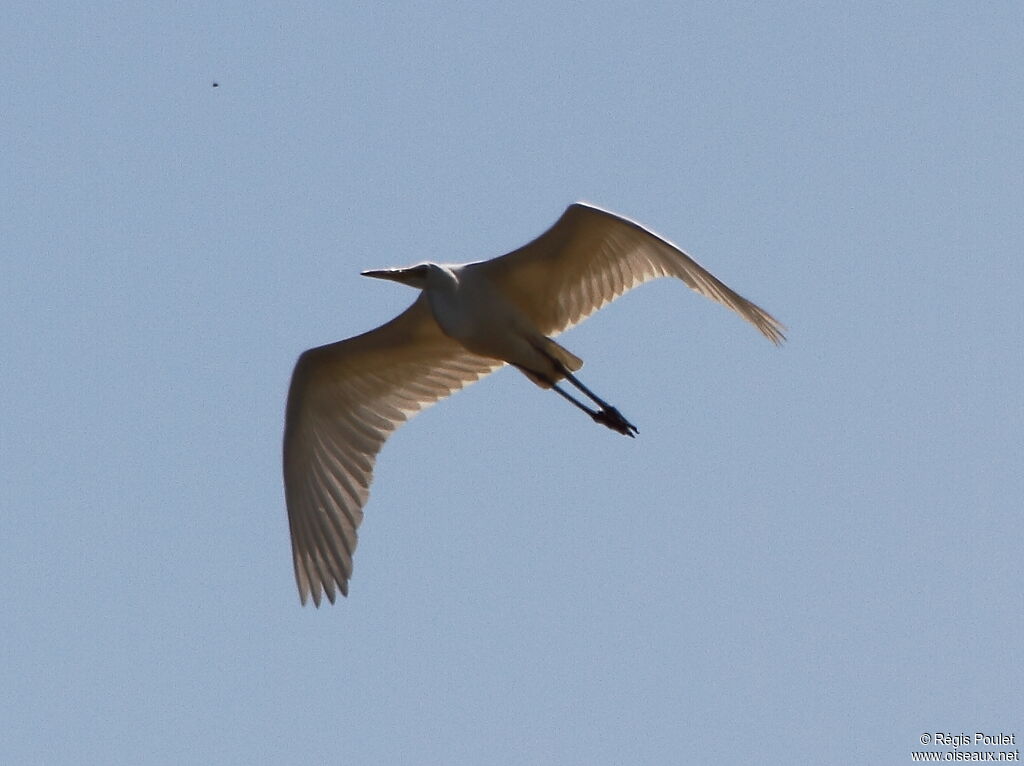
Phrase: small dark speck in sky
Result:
[216,85]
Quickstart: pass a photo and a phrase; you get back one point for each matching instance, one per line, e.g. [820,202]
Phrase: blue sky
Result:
[810,555]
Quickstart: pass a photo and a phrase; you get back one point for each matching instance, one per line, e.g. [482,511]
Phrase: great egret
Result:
[468,320]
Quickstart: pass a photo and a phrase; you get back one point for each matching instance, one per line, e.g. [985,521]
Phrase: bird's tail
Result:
[562,357]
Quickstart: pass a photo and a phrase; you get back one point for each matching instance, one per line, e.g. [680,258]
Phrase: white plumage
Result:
[469,320]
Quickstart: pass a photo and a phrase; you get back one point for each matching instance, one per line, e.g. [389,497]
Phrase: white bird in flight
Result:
[468,320]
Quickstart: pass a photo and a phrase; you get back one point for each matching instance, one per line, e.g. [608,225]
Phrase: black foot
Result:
[611,417]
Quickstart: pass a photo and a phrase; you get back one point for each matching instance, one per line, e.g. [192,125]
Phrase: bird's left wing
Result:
[590,257]
[345,399]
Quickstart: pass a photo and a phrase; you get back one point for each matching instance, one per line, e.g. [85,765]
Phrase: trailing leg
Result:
[607,415]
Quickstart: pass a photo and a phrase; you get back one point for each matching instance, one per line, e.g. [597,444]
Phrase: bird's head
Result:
[414,276]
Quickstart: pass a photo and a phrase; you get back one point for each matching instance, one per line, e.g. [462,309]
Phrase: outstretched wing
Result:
[345,399]
[590,257]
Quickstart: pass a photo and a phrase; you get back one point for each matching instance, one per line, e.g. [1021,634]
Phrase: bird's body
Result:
[471,309]
[469,319]
[468,309]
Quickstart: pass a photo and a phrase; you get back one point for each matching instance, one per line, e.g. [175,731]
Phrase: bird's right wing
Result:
[588,258]
[345,399]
